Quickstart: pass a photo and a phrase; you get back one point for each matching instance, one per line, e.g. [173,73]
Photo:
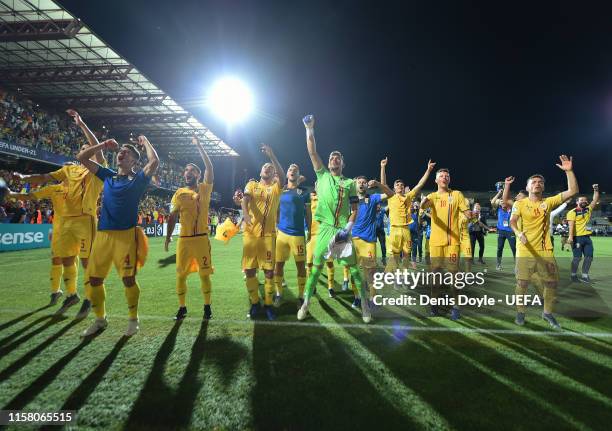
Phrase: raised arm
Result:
[209,173]
[495,199]
[267,150]
[85,155]
[21,196]
[309,122]
[506,193]
[34,179]
[153,160]
[430,167]
[572,184]
[425,203]
[383,171]
[91,138]
[386,191]
[595,200]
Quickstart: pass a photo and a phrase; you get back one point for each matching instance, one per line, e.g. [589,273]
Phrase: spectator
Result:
[20,213]
[478,229]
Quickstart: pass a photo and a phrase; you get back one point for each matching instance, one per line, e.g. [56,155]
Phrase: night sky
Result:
[487,90]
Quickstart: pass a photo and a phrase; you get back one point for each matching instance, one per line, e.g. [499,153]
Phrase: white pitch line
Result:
[21,262]
[371,326]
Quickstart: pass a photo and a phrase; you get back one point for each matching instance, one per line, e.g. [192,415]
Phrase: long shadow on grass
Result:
[25,359]
[306,379]
[20,331]
[436,376]
[542,349]
[160,407]
[154,406]
[79,396]
[16,320]
[433,376]
[25,396]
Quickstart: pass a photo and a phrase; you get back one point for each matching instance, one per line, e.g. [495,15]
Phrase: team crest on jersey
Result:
[299,192]
[543,206]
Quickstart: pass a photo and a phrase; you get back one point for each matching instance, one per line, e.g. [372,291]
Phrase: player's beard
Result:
[191,181]
[584,205]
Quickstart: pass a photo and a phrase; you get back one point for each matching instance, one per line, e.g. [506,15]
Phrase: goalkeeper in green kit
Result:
[336,214]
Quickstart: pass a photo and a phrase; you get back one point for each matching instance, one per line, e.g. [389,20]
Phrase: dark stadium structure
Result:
[54,59]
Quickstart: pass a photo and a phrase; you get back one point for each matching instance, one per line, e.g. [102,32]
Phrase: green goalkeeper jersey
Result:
[335,195]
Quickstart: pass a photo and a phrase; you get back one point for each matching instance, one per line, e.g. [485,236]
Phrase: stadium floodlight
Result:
[230,99]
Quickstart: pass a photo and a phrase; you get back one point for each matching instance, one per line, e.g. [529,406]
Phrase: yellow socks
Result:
[252,286]
[132,293]
[269,290]
[519,292]
[345,273]
[98,299]
[70,278]
[205,286]
[278,283]
[392,263]
[181,289]
[549,299]
[56,277]
[301,285]
[330,277]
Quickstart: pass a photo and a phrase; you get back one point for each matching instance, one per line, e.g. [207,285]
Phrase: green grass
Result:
[407,372]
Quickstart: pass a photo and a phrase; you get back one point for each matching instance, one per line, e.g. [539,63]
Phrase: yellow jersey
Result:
[582,221]
[56,194]
[263,208]
[400,209]
[82,191]
[535,219]
[314,224]
[445,222]
[192,207]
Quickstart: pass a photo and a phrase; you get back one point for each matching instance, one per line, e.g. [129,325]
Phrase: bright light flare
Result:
[230,99]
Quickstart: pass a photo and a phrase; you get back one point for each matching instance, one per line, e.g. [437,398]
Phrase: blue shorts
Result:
[582,246]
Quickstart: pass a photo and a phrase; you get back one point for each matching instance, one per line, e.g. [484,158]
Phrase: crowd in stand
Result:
[23,122]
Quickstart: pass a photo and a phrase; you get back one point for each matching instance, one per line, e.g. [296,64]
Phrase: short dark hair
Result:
[133,150]
[399,180]
[523,192]
[442,170]
[361,177]
[540,176]
[195,166]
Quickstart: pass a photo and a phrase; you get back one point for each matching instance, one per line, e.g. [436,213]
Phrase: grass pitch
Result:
[406,371]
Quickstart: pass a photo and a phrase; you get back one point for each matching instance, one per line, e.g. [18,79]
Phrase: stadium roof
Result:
[50,56]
